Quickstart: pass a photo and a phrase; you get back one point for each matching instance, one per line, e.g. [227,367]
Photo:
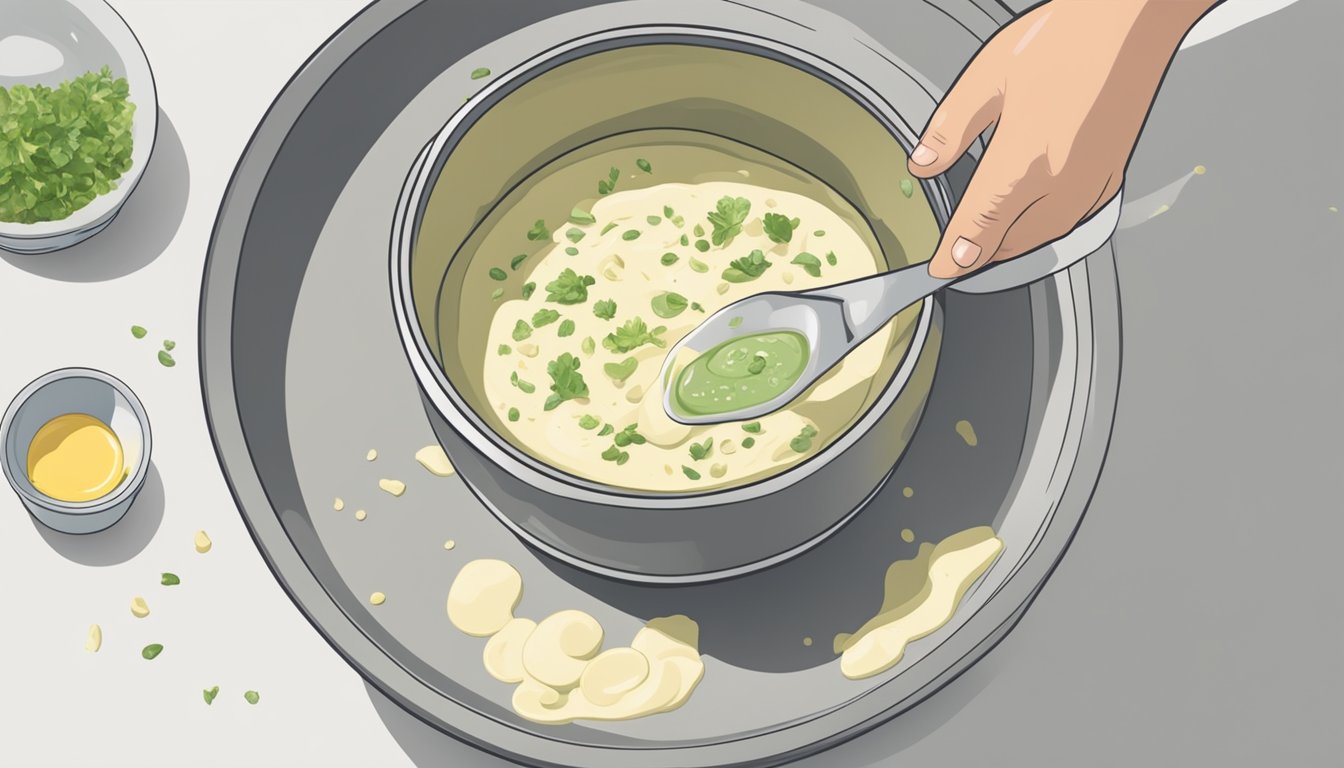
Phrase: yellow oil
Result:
[75,458]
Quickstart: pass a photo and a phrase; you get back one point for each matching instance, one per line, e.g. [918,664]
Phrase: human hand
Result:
[1068,87]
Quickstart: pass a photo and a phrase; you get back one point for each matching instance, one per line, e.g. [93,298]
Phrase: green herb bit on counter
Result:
[538,231]
[778,227]
[608,185]
[165,359]
[569,288]
[752,427]
[61,148]
[907,187]
[668,259]
[139,331]
[566,329]
[528,290]
[690,473]
[635,333]
[619,372]
[830,258]
[527,387]
[252,697]
[580,216]
[630,234]
[727,218]
[702,451]
[209,694]
[544,317]
[514,415]
[498,274]
[169,344]
[480,72]
[151,651]
[521,331]
[747,268]
[588,421]
[810,264]
[169,579]
[668,304]
[644,165]
[605,309]
[566,381]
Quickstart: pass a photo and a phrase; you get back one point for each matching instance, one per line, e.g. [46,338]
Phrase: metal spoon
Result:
[838,318]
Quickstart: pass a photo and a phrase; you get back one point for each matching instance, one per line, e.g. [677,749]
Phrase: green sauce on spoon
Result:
[740,373]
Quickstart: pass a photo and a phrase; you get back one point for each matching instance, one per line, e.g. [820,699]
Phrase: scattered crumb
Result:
[360,514]
[449,544]
[139,608]
[203,543]
[1200,170]
[339,504]
[967,433]
[394,487]
[371,455]
[807,641]
[907,535]
[432,458]
[377,598]
[907,491]
[95,640]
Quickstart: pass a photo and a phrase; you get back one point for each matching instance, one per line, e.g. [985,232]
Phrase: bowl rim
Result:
[126,490]
[462,417]
[144,131]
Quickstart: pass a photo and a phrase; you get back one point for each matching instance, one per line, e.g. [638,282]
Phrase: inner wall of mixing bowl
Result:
[794,129]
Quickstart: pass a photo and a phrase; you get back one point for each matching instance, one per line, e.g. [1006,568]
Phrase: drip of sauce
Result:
[967,432]
[76,458]
[740,373]
[558,664]
[921,595]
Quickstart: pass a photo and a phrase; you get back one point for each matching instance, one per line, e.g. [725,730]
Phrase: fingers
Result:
[999,195]
[967,110]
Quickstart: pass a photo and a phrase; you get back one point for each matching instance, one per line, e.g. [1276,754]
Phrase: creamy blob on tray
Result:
[572,362]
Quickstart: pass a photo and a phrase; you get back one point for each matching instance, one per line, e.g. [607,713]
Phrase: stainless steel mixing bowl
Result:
[831,125]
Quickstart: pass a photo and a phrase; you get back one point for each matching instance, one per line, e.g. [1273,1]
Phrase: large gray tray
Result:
[303,373]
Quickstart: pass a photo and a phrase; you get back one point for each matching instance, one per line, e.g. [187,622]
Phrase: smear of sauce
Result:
[967,433]
[433,458]
[740,373]
[76,458]
[558,664]
[921,595]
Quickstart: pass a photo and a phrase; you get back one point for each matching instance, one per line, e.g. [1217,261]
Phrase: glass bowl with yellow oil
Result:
[76,446]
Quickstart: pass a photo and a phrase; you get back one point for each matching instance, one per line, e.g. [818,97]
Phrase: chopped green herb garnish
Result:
[668,304]
[169,344]
[514,415]
[252,697]
[809,431]
[571,250]
[527,387]
[544,317]
[748,442]
[644,165]
[679,221]
[619,372]
[566,381]
[588,421]
[579,216]
[608,185]
[691,473]
[605,309]
[607,430]
[695,305]
[733,322]
[574,234]
[779,228]
[151,651]
[521,330]
[698,265]
[653,220]
[528,289]
[728,217]
[632,335]
[630,234]
[165,359]
[498,274]
[810,264]
[517,261]
[569,287]
[756,365]
[139,331]
[701,451]
[668,212]
[480,72]
[588,346]
[830,258]
[699,231]
[538,231]
[169,579]
[685,241]
[610,226]
[907,187]
[669,259]
[819,233]
[566,329]
[209,694]
[702,245]
[752,427]
[505,349]
[615,454]
[803,442]
[747,268]
[496,294]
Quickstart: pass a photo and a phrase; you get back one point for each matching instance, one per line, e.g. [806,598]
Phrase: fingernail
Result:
[923,156]
[965,253]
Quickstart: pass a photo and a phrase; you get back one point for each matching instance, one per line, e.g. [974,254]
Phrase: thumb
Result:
[968,109]
[996,198]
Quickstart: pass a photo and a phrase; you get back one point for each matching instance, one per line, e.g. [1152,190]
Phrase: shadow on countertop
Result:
[122,541]
[141,231]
